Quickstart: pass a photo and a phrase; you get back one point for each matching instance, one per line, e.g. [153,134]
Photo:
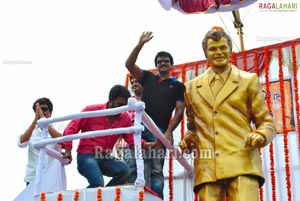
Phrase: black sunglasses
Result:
[44,109]
[163,60]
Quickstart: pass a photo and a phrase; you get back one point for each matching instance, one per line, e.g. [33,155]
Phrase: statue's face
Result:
[218,53]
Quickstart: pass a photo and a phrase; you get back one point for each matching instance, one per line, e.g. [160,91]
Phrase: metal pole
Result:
[238,25]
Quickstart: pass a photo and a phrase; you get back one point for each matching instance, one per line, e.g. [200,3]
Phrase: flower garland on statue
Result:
[268,99]
[296,92]
[285,133]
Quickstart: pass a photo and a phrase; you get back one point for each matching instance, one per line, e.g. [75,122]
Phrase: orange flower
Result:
[141,196]
[99,194]
[76,195]
[43,196]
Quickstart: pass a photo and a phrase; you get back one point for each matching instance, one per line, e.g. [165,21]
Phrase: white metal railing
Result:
[137,128]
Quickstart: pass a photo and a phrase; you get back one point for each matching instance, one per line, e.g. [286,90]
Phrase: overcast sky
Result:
[74,51]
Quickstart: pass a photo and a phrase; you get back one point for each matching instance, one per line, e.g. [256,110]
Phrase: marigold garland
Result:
[255,63]
[59,197]
[118,194]
[296,92]
[182,128]
[76,196]
[267,77]
[244,60]
[183,75]
[182,122]
[170,176]
[43,196]
[141,195]
[233,58]
[285,133]
[99,194]
[268,99]
[272,171]
[207,64]
[170,172]
[127,80]
[261,192]
[172,73]
[196,69]
[196,197]
[183,72]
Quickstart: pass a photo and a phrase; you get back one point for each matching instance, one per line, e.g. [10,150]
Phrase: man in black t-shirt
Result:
[162,94]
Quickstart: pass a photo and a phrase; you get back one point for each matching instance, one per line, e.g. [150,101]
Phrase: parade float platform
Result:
[53,188]
[50,183]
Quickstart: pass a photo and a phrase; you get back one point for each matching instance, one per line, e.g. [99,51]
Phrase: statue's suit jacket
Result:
[222,124]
